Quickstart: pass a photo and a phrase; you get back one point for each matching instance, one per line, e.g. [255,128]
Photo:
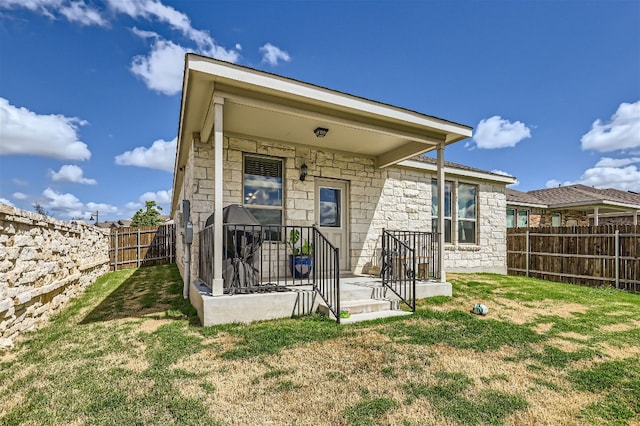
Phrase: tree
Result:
[40,209]
[148,217]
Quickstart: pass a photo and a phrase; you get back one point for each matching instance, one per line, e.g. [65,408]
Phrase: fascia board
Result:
[508,180]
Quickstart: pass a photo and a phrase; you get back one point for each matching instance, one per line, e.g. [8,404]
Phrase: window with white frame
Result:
[448,185]
[523,218]
[467,196]
[556,219]
[460,211]
[517,218]
[262,188]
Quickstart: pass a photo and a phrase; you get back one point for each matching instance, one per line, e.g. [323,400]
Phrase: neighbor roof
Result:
[576,196]
[429,163]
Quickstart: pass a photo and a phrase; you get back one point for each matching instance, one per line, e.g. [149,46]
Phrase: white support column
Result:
[217,288]
[595,216]
[441,195]
[635,217]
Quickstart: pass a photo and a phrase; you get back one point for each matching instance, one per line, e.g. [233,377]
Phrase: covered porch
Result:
[300,157]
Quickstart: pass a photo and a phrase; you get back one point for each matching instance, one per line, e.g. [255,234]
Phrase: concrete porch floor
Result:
[363,296]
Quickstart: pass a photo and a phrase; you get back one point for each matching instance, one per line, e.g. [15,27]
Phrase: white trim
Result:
[459,172]
[532,205]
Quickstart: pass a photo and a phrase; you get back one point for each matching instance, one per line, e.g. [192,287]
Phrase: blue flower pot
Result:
[300,265]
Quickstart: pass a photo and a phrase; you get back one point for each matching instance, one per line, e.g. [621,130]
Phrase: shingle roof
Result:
[574,194]
[518,197]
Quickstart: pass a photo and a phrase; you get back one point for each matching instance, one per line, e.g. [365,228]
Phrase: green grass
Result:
[130,351]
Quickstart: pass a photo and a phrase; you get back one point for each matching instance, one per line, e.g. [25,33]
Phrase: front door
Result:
[332,215]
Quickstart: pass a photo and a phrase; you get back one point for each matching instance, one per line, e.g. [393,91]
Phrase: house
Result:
[345,173]
[571,205]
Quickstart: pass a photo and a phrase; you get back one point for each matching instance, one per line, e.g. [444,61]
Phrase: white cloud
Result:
[496,132]
[624,178]
[67,204]
[103,210]
[20,182]
[20,196]
[161,70]
[503,173]
[27,133]
[160,197]
[608,173]
[78,11]
[272,54]
[161,155]
[5,201]
[74,10]
[617,162]
[71,173]
[622,132]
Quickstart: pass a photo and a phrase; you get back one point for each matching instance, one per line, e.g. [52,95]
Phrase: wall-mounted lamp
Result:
[303,172]
[321,132]
[95,216]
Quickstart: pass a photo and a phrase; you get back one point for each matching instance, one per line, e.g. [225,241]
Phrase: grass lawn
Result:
[130,351]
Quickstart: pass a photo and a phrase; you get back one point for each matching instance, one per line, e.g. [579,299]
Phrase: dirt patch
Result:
[543,328]
[623,326]
[619,352]
[151,325]
[565,345]
[574,335]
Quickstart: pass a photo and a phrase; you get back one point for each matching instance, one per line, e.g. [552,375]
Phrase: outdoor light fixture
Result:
[303,172]
[94,216]
[321,132]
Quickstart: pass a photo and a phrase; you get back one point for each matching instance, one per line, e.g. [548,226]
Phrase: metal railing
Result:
[264,258]
[408,256]
[398,270]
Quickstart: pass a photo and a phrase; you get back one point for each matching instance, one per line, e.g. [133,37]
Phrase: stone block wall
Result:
[390,198]
[44,262]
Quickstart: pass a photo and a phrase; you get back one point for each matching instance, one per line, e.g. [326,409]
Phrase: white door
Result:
[332,215]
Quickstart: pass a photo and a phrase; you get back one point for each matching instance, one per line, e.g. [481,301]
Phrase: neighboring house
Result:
[121,223]
[572,205]
[298,154]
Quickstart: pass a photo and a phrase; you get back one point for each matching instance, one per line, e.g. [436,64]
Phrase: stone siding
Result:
[44,262]
[390,198]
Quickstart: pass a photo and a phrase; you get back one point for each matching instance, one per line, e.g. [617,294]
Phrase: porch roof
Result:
[267,106]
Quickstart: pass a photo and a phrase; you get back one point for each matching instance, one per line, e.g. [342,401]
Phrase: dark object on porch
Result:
[242,243]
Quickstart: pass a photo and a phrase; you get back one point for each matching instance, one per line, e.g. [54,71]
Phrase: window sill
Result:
[462,247]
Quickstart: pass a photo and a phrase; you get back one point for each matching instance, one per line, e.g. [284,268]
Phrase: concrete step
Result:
[369,316]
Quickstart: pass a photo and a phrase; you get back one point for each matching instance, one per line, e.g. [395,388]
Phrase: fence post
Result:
[617,253]
[138,246]
[528,251]
[115,254]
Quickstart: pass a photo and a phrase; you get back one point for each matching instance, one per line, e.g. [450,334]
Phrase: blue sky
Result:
[90,90]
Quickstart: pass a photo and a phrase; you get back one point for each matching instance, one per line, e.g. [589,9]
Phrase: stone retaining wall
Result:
[44,262]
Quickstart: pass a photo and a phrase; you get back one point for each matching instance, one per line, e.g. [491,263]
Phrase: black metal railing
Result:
[425,245]
[264,258]
[205,264]
[398,270]
[326,276]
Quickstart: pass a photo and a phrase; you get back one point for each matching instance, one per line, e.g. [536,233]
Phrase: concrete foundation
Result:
[301,300]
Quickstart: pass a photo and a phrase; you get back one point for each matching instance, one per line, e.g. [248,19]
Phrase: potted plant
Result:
[300,259]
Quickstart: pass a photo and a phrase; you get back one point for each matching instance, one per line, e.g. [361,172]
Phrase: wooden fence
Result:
[144,246]
[605,255]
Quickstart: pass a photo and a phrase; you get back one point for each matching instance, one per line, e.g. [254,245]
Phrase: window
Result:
[447,208]
[511,218]
[523,218]
[262,188]
[330,207]
[467,213]
[461,222]
[556,219]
